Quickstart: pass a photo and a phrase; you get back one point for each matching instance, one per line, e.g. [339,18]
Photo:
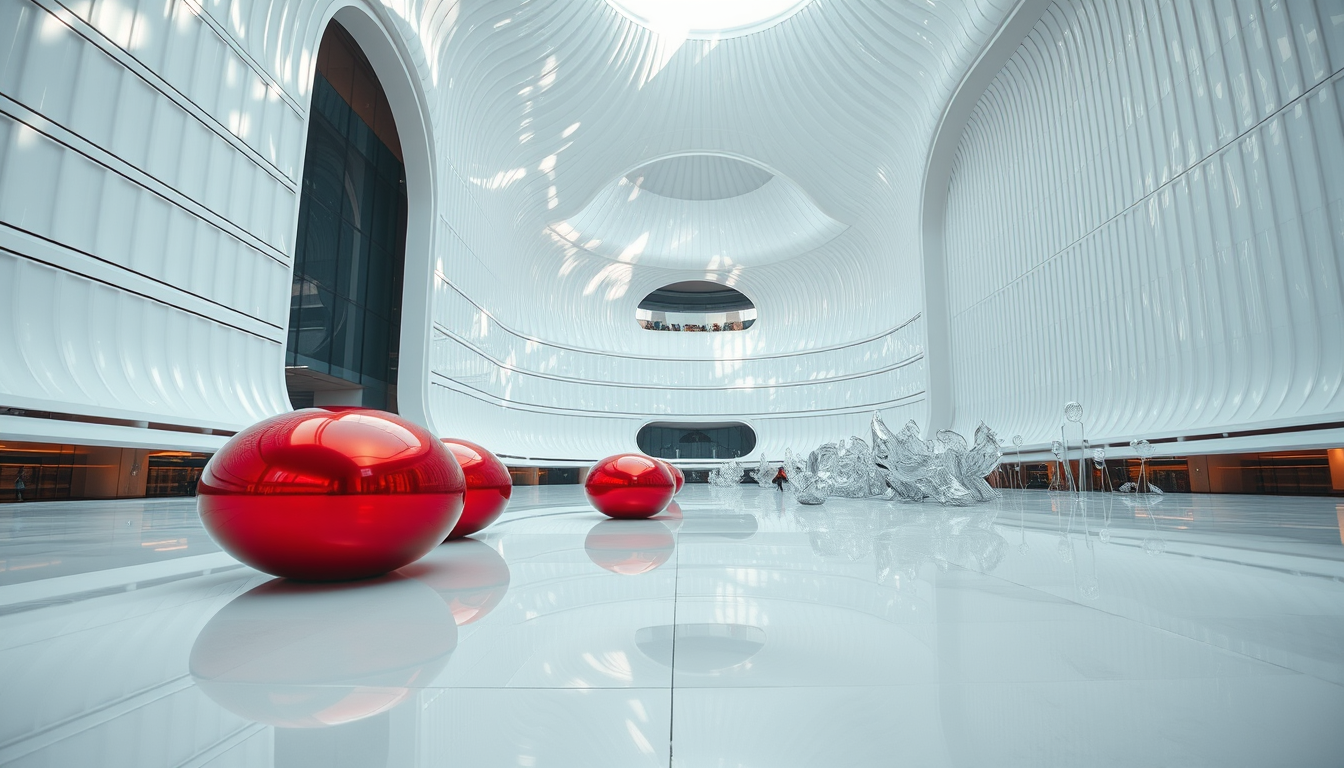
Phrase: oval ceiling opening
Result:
[696,306]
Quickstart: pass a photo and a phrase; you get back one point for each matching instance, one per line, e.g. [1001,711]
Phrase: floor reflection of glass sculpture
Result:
[313,655]
[488,486]
[469,575]
[331,494]
[630,485]
[963,538]
[629,547]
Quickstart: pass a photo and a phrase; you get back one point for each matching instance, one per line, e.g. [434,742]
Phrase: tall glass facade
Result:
[345,305]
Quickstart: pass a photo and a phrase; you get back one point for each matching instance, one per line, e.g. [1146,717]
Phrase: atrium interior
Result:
[671,383]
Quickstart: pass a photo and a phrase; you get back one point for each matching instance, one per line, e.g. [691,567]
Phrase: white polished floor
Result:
[741,630]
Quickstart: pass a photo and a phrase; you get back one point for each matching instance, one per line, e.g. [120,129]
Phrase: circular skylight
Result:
[708,19]
[699,177]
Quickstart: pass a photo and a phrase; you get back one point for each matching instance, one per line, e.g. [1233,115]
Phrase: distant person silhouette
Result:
[19,486]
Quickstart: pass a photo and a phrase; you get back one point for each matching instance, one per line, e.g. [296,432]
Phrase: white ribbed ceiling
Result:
[708,19]
[709,218]
[699,177]
[551,111]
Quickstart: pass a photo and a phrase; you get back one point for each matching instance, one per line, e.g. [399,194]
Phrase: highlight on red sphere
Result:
[629,485]
[488,486]
[333,494]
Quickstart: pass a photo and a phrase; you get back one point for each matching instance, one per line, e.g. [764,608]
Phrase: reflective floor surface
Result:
[738,629]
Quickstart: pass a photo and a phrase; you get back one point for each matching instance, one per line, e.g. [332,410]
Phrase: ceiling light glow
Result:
[707,19]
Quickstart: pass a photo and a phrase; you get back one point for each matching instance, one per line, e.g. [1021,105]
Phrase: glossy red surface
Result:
[331,494]
[470,577]
[315,655]
[488,486]
[629,547]
[629,485]
[677,476]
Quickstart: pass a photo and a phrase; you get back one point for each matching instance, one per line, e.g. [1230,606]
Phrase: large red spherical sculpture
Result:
[629,547]
[331,494]
[629,485]
[316,655]
[488,486]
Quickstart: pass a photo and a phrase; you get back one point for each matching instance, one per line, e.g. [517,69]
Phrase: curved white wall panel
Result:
[1146,215]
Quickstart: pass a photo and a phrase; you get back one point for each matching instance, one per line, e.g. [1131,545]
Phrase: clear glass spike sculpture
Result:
[764,474]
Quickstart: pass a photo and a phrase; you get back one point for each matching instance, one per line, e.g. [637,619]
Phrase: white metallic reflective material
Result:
[1148,204]
[1035,630]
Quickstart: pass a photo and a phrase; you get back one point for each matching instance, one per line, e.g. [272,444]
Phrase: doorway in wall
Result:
[350,247]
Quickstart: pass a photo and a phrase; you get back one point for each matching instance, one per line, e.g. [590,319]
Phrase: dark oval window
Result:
[696,306]
[721,440]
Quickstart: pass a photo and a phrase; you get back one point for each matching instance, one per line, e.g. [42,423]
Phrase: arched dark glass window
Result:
[696,305]
[670,440]
[350,248]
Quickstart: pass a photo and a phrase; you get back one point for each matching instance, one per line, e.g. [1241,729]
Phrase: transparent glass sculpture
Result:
[1099,460]
[726,475]
[1144,450]
[913,468]
[764,474]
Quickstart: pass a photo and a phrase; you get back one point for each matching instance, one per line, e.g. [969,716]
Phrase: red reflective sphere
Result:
[629,547]
[488,486]
[316,655]
[676,476]
[331,494]
[629,485]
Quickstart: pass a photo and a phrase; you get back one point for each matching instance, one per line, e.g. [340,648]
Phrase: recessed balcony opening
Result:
[717,440]
[696,306]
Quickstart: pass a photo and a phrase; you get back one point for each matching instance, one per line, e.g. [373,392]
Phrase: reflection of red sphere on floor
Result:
[488,486]
[314,655]
[331,494]
[671,517]
[629,485]
[470,576]
[629,547]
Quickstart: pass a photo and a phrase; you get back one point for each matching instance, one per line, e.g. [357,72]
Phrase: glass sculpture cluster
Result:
[727,474]
[898,464]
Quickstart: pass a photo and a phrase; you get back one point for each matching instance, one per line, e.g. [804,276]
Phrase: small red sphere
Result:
[629,485]
[677,476]
[331,494]
[629,547]
[488,486]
